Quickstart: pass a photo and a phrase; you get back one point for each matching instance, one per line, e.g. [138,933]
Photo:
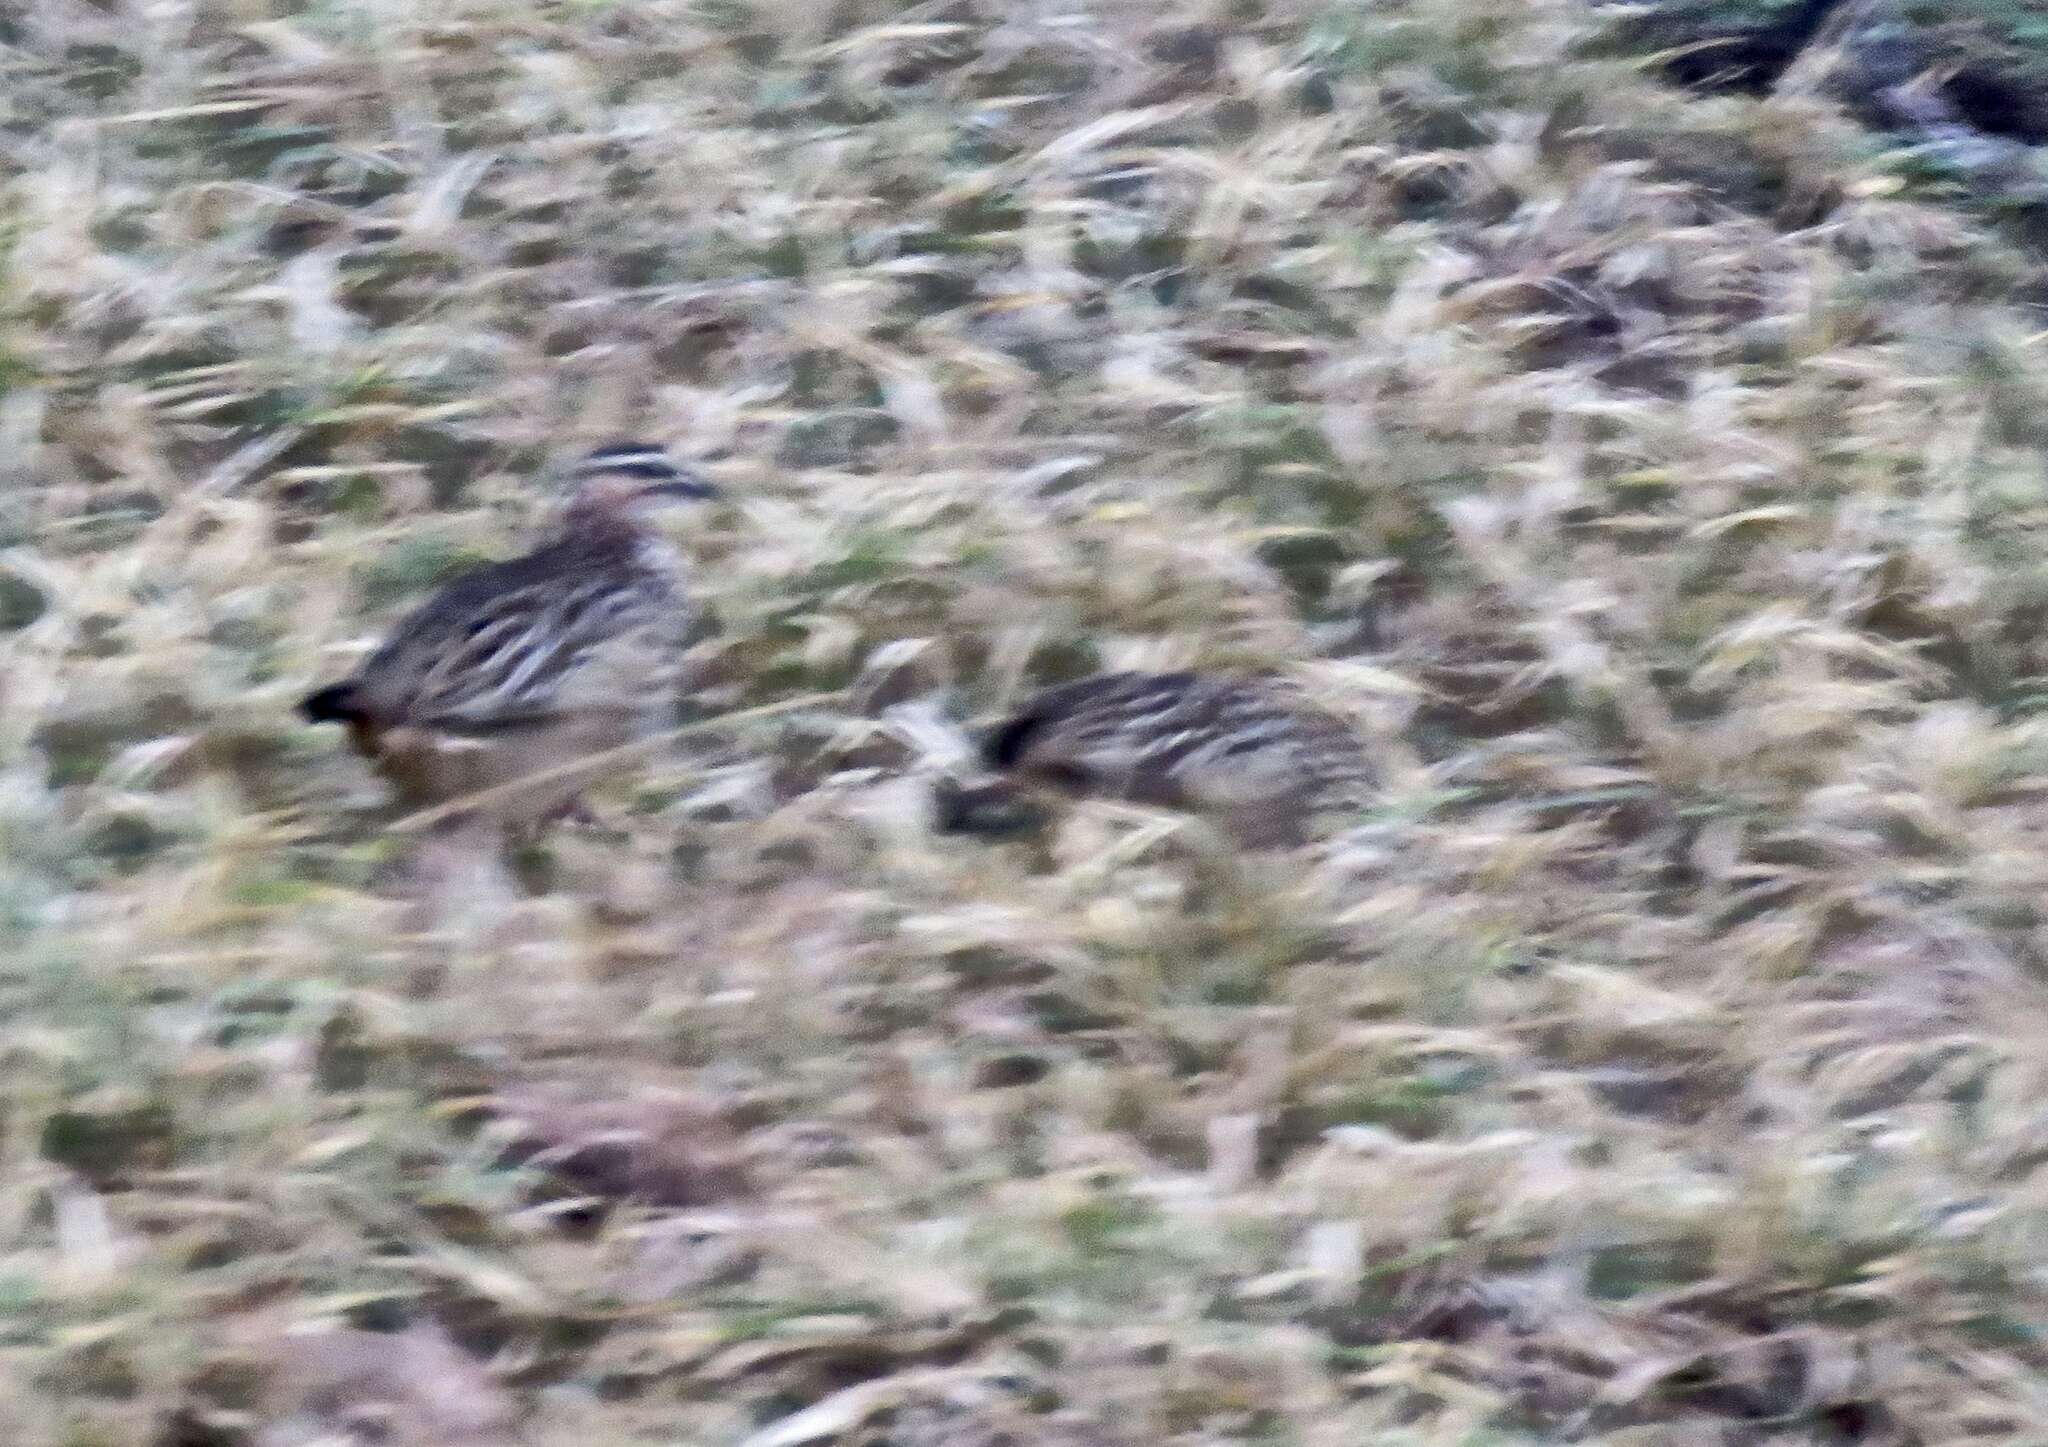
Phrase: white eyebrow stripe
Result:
[648,461]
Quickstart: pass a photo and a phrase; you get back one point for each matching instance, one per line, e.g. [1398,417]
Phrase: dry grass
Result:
[1658,482]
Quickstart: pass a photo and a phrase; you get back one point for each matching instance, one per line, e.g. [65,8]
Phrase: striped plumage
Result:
[1267,764]
[520,666]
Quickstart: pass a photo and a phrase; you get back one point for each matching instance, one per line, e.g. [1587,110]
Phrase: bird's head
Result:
[623,478]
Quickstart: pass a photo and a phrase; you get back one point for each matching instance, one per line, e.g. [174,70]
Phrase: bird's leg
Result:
[1217,877]
[455,879]
[993,808]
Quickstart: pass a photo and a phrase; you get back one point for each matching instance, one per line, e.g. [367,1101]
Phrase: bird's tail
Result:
[1003,746]
[336,703]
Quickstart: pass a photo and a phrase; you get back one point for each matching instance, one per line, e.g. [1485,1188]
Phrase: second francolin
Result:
[1252,754]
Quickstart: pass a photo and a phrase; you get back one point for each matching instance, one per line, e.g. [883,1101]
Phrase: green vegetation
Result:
[1657,480]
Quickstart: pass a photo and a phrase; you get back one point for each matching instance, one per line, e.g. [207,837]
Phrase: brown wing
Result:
[497,647]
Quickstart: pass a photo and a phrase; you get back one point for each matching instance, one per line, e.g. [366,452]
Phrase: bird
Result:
[516,668]
[1267,765]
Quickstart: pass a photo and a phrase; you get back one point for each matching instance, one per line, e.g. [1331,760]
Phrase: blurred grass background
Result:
[1654,474]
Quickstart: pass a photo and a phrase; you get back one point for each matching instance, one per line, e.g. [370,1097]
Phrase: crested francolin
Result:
[520,668]
[1268,766]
